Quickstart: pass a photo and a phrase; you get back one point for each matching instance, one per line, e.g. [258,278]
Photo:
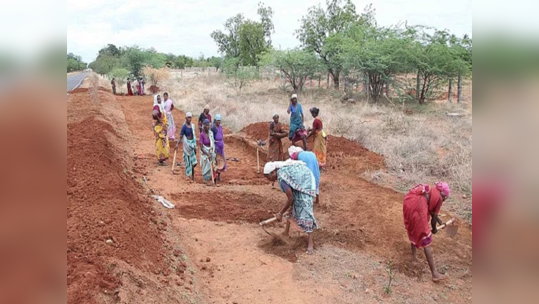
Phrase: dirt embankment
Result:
[111,225]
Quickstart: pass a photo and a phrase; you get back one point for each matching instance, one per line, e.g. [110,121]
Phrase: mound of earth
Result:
[336,147]
[259,130]
[108,218]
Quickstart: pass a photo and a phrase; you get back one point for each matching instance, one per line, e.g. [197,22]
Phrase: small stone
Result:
[179,283]
[204,268]
[188,288]
[109,241]
[208,260]
[176,253]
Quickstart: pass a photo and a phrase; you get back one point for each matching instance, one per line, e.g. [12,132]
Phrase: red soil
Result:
[103,203]
[154,89]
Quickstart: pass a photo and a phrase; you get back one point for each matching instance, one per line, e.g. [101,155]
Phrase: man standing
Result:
[113,84]
[297,128]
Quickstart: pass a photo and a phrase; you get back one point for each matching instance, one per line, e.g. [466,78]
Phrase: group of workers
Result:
[210,140]
[130,88]
[298,176]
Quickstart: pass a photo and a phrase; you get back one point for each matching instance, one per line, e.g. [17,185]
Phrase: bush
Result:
[155,76]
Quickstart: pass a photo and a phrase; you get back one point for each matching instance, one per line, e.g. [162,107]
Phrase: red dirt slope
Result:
[103,203]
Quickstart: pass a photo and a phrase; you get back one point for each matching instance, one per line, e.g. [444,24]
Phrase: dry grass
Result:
[420,143]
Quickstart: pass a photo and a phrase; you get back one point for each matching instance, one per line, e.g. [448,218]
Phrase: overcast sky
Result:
[184,26]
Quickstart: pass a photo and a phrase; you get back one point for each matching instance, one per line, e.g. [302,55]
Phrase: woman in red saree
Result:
[129,89]
[421,206]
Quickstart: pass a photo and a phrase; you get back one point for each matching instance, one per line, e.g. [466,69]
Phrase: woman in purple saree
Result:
[219,142]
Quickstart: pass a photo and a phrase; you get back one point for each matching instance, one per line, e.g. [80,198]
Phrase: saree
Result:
[300,178]
[189,153]
[275,149]
[161,141]
[171,131]
[208,146]
[320,142]
[219,143]
[296,123]
[129,89]
[419,203]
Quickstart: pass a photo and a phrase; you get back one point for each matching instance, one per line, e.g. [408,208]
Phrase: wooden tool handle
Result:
[174,161]
[445,225]
[271,220]
[257,161]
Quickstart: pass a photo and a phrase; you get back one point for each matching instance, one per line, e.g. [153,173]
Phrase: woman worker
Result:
[297,129]
[297,181]
[189,141]
[168,105]
[275,150]
[297,153]
[207,155]
[319,147]
[161,139]
[217,131]
[421,205]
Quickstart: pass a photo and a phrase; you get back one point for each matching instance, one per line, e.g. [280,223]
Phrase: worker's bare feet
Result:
[437,277]
[310,251]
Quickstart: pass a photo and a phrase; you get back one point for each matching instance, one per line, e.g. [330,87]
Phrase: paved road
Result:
[74,81]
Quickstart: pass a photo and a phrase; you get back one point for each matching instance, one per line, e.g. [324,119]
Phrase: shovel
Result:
[450,227]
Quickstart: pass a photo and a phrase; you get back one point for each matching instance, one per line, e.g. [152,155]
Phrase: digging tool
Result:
[174,161]
[268,221]
[450,227]
[259,143]
[211,167]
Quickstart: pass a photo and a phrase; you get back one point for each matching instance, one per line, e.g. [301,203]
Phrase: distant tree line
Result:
[75,63]
[134,59]
[341,44]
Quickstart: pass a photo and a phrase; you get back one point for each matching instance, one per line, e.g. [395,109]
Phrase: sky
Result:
[184,26]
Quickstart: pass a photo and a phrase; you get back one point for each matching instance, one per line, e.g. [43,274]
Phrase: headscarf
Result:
[272,166]
[294,96]
[218,117]
[207,107]
[274,115]
[443,188]
[188,114]
[160,105]
[294,152]
[206,122]
[155,114]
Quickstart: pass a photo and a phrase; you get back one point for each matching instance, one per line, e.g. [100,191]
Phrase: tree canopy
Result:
[246,39]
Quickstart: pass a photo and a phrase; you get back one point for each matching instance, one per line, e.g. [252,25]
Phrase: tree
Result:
[379,54]
[435,61]
[74,63]
[120,75]
[295,64]
[104,64]
[238,76]
[322,31]
[246,39]
[229,43]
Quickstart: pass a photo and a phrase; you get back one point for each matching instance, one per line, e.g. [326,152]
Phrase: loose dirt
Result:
[234,261]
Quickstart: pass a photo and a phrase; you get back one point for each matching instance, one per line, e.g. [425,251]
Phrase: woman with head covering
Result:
[297,128]
[297,181]
[168,106]
[319,148]
[189,141]
[161,140]
[129,89]
[309,158]
[205,115]
[158,105]
[421,205]
[207,155]
[217,131]
[275,149]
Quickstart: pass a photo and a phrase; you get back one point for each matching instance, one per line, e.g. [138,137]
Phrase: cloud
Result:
[184,27]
